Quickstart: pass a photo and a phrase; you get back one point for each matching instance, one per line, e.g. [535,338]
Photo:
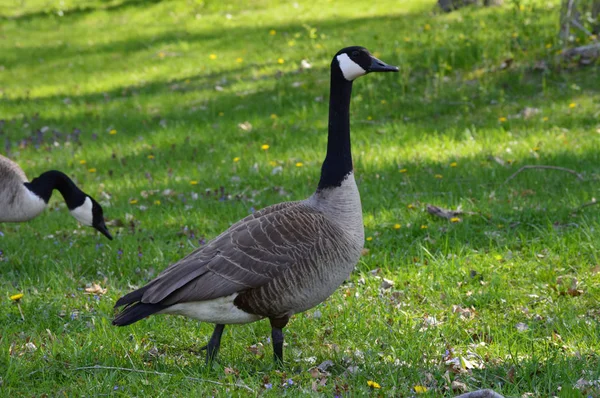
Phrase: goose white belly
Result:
[220,310]
[19,204]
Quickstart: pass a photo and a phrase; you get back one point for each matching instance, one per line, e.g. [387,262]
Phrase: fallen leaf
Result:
[246,126]
[325,365]
[458,386]
[95,289]
[443,213]
[386,284]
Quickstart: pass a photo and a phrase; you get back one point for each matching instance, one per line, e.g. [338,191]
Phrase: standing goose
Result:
[283,259]
[21,200]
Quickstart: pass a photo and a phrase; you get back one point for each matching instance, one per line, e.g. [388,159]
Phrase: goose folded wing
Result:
[246,256]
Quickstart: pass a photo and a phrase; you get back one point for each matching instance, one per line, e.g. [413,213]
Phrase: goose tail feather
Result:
[134,312]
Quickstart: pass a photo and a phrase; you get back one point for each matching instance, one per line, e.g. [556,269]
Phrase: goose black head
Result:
[89,213]
[357,61]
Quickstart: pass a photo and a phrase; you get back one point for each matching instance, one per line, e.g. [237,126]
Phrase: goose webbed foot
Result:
[212,348]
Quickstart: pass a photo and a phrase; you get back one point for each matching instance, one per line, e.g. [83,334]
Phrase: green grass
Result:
[427,135]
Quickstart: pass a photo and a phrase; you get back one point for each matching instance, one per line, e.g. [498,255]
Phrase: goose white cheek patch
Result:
[350,69]
[83,213]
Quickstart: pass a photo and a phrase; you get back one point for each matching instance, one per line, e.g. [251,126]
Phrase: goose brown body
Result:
[283,259]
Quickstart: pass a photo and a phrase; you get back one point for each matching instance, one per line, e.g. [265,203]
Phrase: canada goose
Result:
[21,200]
[283,259]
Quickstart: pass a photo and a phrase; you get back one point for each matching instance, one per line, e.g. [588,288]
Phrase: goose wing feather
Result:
[248,255]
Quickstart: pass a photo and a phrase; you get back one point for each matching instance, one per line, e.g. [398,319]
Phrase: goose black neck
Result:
[43,186]
[338,162]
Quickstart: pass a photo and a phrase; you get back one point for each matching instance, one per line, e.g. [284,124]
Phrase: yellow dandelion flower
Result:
[273,163]
[545,119]
[157,202]
[194,182]
[264,147]
[403,170]
[239,60]
[299,164]
[427,26]
[572,105]
[410,206]
[272,32]
[373,384]
[212,56]
[535,148]
[397,226]
[92,170]
[438,176]
[548,45]
[502,119]
[133,201]
[273,116]
[16,297]
[82,161]
[221,113]
[420,389]
[455,219]
[424,227]
[112,132]
[280,61]
[150,156]
[319,46]
[369,238]
[453,164]
[236,159]
[291,43]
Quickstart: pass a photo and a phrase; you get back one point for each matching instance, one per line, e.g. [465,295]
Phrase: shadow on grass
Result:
[78,11]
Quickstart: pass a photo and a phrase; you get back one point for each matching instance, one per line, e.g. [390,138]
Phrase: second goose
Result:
[283,259]
[21,200]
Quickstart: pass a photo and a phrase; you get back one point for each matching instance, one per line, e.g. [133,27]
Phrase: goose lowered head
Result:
[89,213]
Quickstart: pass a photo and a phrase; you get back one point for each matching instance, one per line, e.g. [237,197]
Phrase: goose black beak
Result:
[102,228]
[380,66]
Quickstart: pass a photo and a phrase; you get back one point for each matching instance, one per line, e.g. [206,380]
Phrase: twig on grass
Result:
[583,206]
[98,367]
[487,393]
[526,167]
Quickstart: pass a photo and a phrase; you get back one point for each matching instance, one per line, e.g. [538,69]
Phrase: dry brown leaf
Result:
[257,349]
[95,289]
[231,371]
[458,386]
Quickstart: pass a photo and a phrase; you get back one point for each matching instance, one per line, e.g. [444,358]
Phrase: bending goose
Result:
[21,200]
[283,259]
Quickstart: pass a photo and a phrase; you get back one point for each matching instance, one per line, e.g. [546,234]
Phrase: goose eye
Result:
[354,53]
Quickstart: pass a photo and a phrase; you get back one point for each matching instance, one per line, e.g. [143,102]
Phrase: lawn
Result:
[161,110]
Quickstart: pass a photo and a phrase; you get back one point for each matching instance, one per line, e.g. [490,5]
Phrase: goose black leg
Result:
[277,336]
[277,325]
[212,348]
